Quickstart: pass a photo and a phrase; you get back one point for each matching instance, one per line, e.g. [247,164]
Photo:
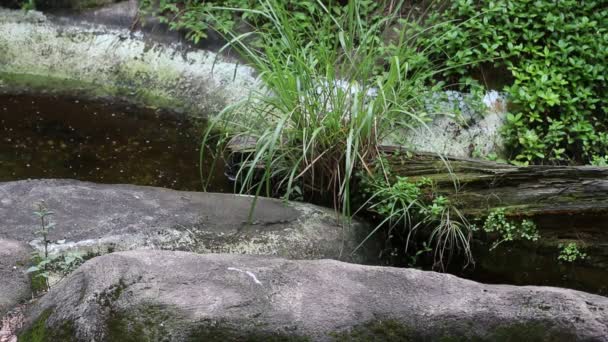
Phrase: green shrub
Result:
[508,230]
[555,52]
[408,207]
[198,17]
[571,252]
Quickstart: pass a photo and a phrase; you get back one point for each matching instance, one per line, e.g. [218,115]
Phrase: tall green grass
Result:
[332,95]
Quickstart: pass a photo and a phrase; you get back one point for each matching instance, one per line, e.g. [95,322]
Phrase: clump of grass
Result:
[326,107]
[333,93]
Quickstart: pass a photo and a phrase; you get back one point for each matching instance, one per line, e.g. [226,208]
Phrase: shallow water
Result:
[53,137]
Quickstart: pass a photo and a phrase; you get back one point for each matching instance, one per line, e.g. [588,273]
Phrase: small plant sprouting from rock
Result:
[507,230]
[41,268]
[62,264]
[570,252]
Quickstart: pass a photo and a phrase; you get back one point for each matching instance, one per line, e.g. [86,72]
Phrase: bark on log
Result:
[478,185]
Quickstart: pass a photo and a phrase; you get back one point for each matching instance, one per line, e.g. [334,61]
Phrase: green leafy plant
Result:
[41,268]
[508,230]
[570,252]
[552,56]
[28,5]
[199,17]
[44,262]
[411,206]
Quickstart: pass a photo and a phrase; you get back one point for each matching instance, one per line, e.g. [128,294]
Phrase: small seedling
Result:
[41,269]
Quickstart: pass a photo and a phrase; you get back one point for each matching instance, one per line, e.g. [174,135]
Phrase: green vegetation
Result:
[326,107]
[554,56]
[571,252]
[343,76]
[198,18]
[39,332]
[508,230]
[413,206]
[44,263]
[41,268]
[334,92]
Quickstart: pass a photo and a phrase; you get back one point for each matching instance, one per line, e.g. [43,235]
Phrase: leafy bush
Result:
[198,17]
[555,52]
[508,230]
[408,206]
[571,252]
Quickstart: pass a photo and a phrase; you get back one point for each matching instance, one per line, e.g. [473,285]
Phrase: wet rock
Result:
[178,296]
[97,218]
[14,282]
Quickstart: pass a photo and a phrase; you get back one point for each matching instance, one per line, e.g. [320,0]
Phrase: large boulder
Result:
[180,296]
[101,218]
[14,282]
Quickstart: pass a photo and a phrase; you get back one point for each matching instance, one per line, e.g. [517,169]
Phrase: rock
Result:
[464,127]
[99,54]
[98,218]
[14,282]
[71,4]
[179,296]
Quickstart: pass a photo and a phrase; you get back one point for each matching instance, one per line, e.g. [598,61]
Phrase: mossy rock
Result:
[40,331]
[71,4]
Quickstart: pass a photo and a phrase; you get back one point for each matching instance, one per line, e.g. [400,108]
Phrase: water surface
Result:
[55,137]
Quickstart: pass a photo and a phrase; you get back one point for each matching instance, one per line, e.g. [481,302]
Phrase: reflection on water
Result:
[51,137]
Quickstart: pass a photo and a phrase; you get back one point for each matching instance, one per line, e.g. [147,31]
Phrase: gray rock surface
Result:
[463,126]
[97,55]
[179,296]
[14,282]
[98,218]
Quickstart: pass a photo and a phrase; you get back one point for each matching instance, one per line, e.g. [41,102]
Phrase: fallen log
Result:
[477,186]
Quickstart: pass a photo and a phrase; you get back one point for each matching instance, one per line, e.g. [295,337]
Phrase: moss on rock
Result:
[40,331]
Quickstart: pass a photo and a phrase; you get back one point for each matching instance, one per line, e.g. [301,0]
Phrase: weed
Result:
[326,107]
[571,252]
[62,264]
[412,206]
[508,230]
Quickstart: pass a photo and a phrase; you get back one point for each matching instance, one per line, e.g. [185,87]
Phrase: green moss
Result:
[107,298]
[387,330]
[532,332]
[159,323]
[40,332]
[230,333]
[392,330]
